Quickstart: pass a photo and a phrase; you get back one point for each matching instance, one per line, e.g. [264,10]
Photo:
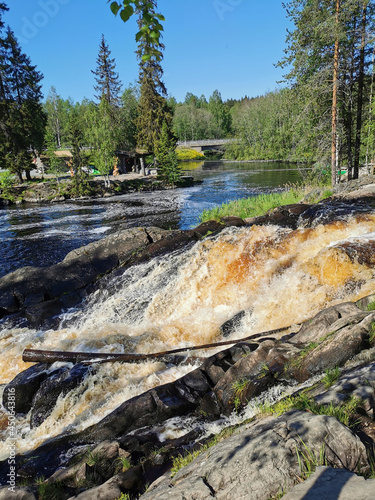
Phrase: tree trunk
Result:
[334,101]
[360,92]
[143,168]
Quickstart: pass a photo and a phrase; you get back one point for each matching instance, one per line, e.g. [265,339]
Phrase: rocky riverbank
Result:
[50,190]
[263,451]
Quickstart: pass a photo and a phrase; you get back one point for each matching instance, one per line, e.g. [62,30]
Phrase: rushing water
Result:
[279,276]
[41,235]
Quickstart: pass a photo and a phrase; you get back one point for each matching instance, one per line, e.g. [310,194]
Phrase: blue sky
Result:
[229,45]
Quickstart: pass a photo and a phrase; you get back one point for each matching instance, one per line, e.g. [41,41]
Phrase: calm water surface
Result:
[41,235]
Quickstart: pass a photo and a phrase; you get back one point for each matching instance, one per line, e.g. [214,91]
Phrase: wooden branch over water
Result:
[39,356]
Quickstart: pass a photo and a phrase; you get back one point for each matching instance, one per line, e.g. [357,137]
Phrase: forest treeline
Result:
[323,111]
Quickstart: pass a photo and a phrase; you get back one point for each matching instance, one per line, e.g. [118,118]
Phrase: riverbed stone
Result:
[352,332]
[333,484]
[260,460]
[25,385]
[58,384]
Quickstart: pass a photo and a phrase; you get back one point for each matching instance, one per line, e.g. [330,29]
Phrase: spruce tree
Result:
[166,156]
[22,119]
[108,85]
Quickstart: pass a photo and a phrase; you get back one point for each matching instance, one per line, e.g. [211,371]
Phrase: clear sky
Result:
[229,45]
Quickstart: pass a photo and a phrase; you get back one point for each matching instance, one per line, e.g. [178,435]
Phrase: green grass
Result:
[308,461]
[254,206]
[331,376]
[372,333]
[371,306]
[344,413]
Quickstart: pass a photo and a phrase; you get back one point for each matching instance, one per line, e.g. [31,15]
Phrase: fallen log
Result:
[41,356]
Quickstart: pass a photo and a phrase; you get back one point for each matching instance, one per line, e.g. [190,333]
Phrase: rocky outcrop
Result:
[254,462]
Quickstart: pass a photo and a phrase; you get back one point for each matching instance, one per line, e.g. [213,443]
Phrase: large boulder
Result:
[259,459]
[330,484]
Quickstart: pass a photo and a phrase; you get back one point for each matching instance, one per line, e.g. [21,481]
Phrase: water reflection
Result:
[41,235]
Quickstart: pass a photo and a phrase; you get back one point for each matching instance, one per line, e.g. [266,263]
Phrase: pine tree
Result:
[328,52]
[22,119]
[108,85]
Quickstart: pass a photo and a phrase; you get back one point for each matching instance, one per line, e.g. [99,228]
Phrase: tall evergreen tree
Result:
[22,121]
[108,84]
[153,108]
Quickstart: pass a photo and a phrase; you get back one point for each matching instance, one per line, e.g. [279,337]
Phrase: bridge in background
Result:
[207,145]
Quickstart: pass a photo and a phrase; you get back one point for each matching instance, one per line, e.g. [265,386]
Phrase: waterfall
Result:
[277,276]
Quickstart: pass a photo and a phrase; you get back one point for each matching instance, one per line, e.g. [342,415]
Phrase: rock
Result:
[352,332]
[233,221]
[358,382]
[332,484]
[329,211]
[96,465]
[230,326]
[59,383]
[44,292]
[284,216]
[259,461]
[252,374]
[314,329]
[112,489]
[19,493]
[24,386]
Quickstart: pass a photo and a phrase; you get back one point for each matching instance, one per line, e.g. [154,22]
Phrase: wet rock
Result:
[112,489]
[230,326]
[233,221]
[96,465]
[45,292]
[329,211]
[252,374]
[331,484]
[284,216]
[255,461]
[59,383]
[24,386]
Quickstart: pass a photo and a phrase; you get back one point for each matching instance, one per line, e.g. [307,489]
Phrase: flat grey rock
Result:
[333,484]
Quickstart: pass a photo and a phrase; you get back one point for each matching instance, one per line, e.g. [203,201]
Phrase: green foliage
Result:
[50,491]
[108,84]
[123,464]
[167,161]
[6,180]
[150,26]
[188,154]
[372,333]
[331,376]
[371,306]
[252,207]
[124,496]
[308,461]
[22,119]
[344,413]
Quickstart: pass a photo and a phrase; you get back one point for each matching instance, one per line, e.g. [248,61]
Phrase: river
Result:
[41,235]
